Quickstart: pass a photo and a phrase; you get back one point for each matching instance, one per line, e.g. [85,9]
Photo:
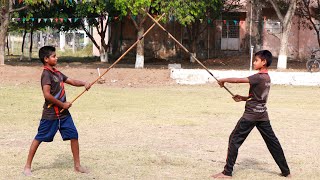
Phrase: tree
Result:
[286,22]
[6,8]
[28,23]
[309,11]
[105,11]
[5,12]
[132,8]
[256,7]
[97,14]
[86,11]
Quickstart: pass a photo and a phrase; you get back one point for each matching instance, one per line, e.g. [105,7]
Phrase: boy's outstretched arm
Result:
[78,83]
[232,80]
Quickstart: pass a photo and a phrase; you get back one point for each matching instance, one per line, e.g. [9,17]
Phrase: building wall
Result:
[96,36]
[307,42]
[271,37]
[300,44]
[159,45]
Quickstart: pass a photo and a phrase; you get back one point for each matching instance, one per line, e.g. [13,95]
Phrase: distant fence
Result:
[63,41]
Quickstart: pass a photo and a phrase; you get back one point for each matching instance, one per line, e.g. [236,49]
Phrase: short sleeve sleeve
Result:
[254,79]
[45,78]
[64,77]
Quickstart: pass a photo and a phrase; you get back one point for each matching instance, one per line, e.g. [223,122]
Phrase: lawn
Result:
[165,132]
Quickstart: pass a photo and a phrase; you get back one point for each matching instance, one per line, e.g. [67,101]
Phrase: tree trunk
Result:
[2,51]
[103,55]
[116,38]
[4,18]
[103,49]
[282,58]
[193,50]
[31,44]
[193,34]
[140,50]
[23,42]
[286,22]
[104,46]
[257,25]
[8,48]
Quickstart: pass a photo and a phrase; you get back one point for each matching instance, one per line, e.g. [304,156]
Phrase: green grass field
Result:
[168,132]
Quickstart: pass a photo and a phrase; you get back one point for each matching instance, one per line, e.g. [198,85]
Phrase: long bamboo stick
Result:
[170,35]
[111,66]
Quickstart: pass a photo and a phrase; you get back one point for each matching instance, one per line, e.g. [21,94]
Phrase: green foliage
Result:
[188,11]
[98,8]
[30,2]
[33,10]
[132,6]
[67,9]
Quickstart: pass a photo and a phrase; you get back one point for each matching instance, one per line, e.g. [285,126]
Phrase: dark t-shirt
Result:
[255,109]
[56,80]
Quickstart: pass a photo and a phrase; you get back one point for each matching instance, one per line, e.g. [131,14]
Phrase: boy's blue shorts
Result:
[48,129]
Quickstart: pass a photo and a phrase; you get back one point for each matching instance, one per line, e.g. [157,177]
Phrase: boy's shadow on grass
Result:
[62,161]
[254,165]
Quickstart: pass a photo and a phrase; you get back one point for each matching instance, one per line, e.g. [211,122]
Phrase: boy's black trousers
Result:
[241,132]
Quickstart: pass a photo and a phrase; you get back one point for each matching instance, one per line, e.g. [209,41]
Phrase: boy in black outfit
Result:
[255,115]
[52,83]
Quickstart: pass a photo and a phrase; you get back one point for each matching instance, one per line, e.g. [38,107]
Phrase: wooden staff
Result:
[155,21]
[118,59]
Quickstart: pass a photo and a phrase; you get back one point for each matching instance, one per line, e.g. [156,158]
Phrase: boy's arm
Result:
[78,83]
[49,97]
[232,80]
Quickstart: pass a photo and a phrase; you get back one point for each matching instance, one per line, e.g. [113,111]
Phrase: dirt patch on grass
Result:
[124,74]
[118,77]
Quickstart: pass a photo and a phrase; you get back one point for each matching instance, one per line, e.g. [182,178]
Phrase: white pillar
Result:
[73,41]
[62,41]
[12,39]
[251,57]
[41,39]
[85,37]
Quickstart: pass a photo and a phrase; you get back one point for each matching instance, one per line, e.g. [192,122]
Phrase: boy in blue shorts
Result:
[255,115]
[52,83]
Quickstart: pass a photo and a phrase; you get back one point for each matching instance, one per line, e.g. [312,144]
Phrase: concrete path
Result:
[199,76]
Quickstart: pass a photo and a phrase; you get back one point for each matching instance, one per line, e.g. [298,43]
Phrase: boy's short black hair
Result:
[265,55]
[46,51]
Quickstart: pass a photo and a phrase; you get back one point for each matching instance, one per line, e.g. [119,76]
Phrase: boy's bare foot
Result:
[27,171]
[221,175]
[81,169]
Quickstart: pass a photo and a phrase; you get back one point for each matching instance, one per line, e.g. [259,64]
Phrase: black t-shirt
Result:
[56,80]
[255,109]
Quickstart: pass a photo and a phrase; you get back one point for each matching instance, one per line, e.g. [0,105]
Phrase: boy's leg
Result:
[33,149]
[46,131]
[274,146]
[237,137]
[69,132]
[76,156]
